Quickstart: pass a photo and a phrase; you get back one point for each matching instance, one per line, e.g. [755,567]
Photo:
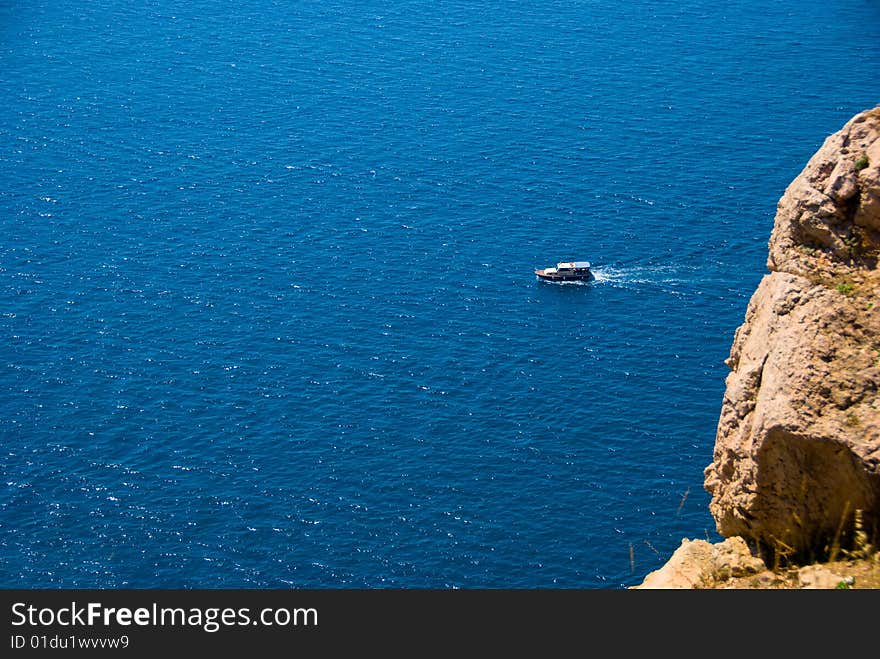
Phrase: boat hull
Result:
[580,276]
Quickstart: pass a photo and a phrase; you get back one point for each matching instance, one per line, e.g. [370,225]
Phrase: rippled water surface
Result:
[269,313]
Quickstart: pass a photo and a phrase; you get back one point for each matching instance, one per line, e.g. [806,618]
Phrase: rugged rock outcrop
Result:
[796,467]
[698,564]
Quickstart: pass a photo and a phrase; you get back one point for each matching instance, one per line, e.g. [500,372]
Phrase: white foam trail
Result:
[662,276]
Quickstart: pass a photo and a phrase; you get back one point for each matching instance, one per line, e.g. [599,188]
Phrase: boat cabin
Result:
[567,271]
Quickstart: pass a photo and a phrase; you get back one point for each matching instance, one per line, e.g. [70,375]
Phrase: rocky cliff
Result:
[795,475]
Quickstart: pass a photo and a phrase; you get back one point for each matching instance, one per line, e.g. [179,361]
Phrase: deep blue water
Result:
[269,317]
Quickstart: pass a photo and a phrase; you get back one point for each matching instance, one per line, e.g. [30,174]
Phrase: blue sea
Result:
[269,313]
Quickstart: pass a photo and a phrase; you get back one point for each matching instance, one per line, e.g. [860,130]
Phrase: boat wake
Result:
[669,278]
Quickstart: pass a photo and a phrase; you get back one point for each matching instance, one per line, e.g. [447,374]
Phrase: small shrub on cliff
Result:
[809,251]
[856,243]
[862,546]
[861,163]
[846,287]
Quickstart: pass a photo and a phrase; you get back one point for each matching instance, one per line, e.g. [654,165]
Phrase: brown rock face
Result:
[698,564]
[796,466]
